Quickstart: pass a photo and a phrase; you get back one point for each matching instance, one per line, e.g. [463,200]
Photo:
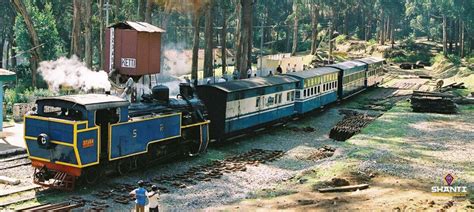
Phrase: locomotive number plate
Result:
[87,143]
[128,62]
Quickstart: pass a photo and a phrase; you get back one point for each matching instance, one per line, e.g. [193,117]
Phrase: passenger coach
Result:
[316,88]
[374,72]
[239,105]
[351,78]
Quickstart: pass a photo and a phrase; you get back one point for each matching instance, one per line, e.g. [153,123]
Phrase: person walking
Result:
[288,68]
[249,72]
[153,198]
[294,68]
[140,195]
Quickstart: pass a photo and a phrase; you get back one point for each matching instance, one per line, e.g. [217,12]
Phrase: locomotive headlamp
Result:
[44,141]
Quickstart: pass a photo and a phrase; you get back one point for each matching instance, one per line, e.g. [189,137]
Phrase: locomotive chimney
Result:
[186,90]
[161,93]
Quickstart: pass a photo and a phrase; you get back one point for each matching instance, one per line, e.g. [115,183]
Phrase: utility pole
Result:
[107,7]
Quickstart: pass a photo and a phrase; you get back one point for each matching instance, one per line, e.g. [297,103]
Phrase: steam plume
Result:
[74,73]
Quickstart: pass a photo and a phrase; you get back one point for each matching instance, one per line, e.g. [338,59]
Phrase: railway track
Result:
[13,162]
[64,206]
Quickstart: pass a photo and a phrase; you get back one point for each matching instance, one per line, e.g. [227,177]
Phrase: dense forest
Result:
[37,30]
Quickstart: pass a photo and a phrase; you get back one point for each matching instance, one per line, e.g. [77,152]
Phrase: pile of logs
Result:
[349,126]
[430,102]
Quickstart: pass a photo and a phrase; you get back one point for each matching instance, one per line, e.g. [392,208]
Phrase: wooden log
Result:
[344,188]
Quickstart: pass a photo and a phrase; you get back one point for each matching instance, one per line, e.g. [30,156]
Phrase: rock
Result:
[339,182]
[305,201]
[9,181]
[302,181]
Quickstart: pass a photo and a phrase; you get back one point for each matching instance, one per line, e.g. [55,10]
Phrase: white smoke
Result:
[177,60]
[177,63]
[72,72]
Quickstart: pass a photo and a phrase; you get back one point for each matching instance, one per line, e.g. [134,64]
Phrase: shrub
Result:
[340,39]
[372,41]
[456,60]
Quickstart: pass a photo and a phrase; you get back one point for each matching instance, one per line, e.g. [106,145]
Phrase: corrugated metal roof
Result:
[313,72]
[347,65]
[371,60]
[90,101]
[139,26]
[258,82]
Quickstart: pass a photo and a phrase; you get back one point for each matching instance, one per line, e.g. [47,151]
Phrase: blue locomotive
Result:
[83,136]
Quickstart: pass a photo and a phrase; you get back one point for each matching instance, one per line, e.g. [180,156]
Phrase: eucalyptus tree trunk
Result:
[208,51]
[88,33]
[101,34]
[36,54]
[445,37]
[194,65]
[224,40]
[141,10]
[461,40]
[295,28]
[76,29]
[314,28]
[245,36]
[149,9]
[237,47]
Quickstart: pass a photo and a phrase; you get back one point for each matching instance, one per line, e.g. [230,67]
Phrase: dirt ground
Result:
[385,193]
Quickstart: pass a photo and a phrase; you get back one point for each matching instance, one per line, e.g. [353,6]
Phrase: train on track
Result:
[83,137]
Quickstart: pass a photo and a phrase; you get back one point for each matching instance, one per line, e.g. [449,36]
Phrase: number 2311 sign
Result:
[128,62]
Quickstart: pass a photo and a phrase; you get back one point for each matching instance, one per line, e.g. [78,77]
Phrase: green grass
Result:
[270,193]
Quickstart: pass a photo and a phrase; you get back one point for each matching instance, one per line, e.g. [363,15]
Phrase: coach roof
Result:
[347,65]
[313,72]
[371,60]
[257,82]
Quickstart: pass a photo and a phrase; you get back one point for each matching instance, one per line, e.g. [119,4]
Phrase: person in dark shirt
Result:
[279,70]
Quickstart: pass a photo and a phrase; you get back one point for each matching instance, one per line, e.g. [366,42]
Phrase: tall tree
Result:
[195,51]
[149,9]
[245,35]
[295,27]
[224,38]
[101,33]
[208,51]
[36,54]
[238,32]
[141,9]
[314,26]
[76,29]
[88,33]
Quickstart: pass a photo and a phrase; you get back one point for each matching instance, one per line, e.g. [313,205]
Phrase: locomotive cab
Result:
[66,135]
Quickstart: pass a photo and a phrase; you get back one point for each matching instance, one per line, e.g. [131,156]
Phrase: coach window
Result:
[288,96]
[304,93]
[257,104]
[297,95]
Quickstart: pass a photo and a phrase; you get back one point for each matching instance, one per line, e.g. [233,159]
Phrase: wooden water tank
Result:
[135,48]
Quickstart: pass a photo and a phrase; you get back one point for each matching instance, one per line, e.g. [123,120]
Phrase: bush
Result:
[340,39]
[456,60]
[470,60]
[21,95]
[372,41]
